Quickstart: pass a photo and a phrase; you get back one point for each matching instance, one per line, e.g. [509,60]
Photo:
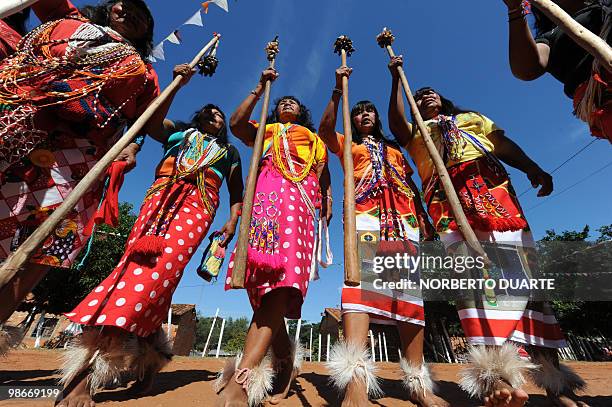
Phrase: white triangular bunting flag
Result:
[174,38]
[222,4]
[158,52]
[196,19]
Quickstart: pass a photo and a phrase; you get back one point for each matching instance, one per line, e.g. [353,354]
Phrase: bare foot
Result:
[284,377]
[356,395]
[78,396]
[232,395]
[428,400]
[565,401]
[506,395]
[82,400]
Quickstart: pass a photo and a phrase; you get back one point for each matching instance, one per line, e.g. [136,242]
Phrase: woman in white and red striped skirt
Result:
[473,148]
[389,214]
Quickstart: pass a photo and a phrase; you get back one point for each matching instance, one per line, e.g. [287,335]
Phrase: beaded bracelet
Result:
[254,93]
[337,91]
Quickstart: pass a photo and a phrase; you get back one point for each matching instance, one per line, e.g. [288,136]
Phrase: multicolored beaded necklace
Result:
[192,157]
[381,175]
[33,64]
[33,78]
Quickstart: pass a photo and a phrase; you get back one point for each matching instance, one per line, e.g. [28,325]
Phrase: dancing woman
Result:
[132,302]
[389,215]
[65,95]
[473,149]
[282,247]
[553,51]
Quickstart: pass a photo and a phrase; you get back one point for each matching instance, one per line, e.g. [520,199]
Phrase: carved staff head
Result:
[344,43]
[272,49]
[207,66]
[385,38]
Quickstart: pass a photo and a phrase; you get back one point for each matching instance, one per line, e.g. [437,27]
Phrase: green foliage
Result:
[235,332]
[62,289]
[580,317]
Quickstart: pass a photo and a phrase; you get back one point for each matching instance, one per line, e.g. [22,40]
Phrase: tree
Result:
[62,289]
[578,317]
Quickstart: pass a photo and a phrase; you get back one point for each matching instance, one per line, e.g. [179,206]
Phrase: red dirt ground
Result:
[188,382]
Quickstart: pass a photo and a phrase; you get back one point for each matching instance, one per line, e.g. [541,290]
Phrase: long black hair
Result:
[221,136]
[100,15]
[18,21]
[449,108]
[304,119]
[379,134]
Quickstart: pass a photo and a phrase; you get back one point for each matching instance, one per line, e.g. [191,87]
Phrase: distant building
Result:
[26,323]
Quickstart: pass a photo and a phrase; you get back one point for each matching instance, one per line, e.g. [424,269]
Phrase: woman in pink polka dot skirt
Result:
[281,255]
[133,301]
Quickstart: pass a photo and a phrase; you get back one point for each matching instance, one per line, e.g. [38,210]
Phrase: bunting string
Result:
[159,54]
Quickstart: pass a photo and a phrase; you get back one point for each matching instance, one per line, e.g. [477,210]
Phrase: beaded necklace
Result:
[192,157]
[24,75]
[454,142]
[380,174]
[282,159]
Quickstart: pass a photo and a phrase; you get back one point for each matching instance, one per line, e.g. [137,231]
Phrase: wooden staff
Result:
[10,7]
[18,258]
[242,245]
[592,43]
[352,270]
[385,39]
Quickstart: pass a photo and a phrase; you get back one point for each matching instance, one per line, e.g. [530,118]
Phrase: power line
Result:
[571,186]
[570,158]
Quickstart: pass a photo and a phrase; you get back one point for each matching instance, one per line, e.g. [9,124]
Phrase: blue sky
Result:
[457,47]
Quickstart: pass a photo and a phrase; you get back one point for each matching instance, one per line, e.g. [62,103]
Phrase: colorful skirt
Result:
[386,225]
[486,195]
[34,187]
[136,296]
[492,319]
[282,250]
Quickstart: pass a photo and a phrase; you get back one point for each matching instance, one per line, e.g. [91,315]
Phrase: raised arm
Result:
[510,153]
[327,127]
[239,122]
[399,125]
[235,187]
[158,126]
[528,60]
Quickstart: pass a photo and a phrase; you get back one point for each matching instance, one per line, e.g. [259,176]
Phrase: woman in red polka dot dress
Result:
[281,259]
[133,301]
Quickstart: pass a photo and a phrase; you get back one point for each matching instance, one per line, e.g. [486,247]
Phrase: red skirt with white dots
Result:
[137,294]
[282,238]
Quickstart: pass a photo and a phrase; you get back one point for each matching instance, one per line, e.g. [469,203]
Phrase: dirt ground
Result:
[188,382]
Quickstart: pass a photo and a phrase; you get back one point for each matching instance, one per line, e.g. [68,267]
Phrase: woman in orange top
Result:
[389,215]
[282,246]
